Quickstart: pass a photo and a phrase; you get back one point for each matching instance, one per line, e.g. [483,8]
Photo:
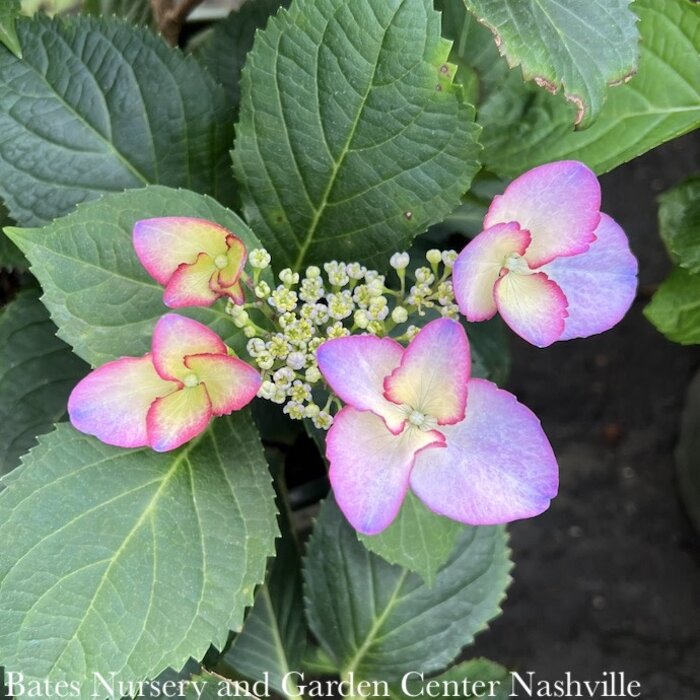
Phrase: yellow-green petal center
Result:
[221,261]
[190,380]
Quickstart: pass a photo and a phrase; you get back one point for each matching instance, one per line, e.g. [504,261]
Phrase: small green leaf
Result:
[102,300]
[524,126]
[37,373]
[224,49]
[489,343]
[10,255]
[418,540]
[134,11]
[273,639]
[476,678]
[688,452]
[473,48]
[10,10]
[380,620]
[679,223]
[122,110]
[581,47]
[675,307]
[130,561]
[353,137]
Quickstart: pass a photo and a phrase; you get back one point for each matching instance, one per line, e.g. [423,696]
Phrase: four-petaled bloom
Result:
[168,396]
[548,260]
[414,418]
[198,261]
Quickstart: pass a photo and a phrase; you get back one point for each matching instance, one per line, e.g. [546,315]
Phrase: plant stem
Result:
[169,17]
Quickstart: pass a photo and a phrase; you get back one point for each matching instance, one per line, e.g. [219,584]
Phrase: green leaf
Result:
[524,127]
[102,300]
[474,48]
[122,110]
[134,11]
[352,137]
[223,51]
[580,47]
[10,10]
[489,343]
[380,620]
[418,540]
[688,452]
[675,307]
[476,678]
[679,223]
[37,372]
[273,639]
[10,255]
[130,561]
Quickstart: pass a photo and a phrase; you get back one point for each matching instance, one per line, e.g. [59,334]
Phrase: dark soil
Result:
[609,578]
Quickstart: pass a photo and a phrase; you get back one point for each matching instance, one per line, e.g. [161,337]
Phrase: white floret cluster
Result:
[303,311]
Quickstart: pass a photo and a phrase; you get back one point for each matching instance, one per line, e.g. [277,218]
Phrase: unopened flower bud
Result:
[434,256]
[399,261]
[399,315]
[259,258]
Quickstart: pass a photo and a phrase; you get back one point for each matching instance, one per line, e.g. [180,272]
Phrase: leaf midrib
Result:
[338,164]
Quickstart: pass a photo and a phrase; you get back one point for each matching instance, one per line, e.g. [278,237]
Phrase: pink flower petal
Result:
[533,306]
[600,284]
[163,244]
[355,368]
[236,257]
[174,337]
[234,292]
[498,465]
[176,419]
[558,203]
[370,467]
[478,267]
[190,284]
[434,371]
[112,402]
[230,382]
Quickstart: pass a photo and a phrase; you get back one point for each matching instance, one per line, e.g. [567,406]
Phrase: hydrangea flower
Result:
[196,260]
[414,418]
[168,396]
[547,260]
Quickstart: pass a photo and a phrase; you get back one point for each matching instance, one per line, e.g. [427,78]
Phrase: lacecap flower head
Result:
[167,397]
[198,261]
[547,260]
[415,419]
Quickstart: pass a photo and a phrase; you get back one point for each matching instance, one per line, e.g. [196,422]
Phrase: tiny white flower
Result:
[399,261]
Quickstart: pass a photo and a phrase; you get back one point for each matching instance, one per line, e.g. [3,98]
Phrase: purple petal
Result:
[498,465]
[558,203]
[600,284]
[370,467]
[355,368]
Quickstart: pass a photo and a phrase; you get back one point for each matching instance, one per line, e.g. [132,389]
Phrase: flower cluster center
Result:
[517,263]
[190,380]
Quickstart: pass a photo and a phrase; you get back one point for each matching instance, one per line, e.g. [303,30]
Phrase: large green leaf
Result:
[37,372]
[223,51]
[352,137]
[9,12]
[418,540]
[679,223]
[380,620]
[524,126]
[581,47]
[102,300]
[688,452]
[675,307]
[273,638]
[129,561]
[119,109]
[476,678]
